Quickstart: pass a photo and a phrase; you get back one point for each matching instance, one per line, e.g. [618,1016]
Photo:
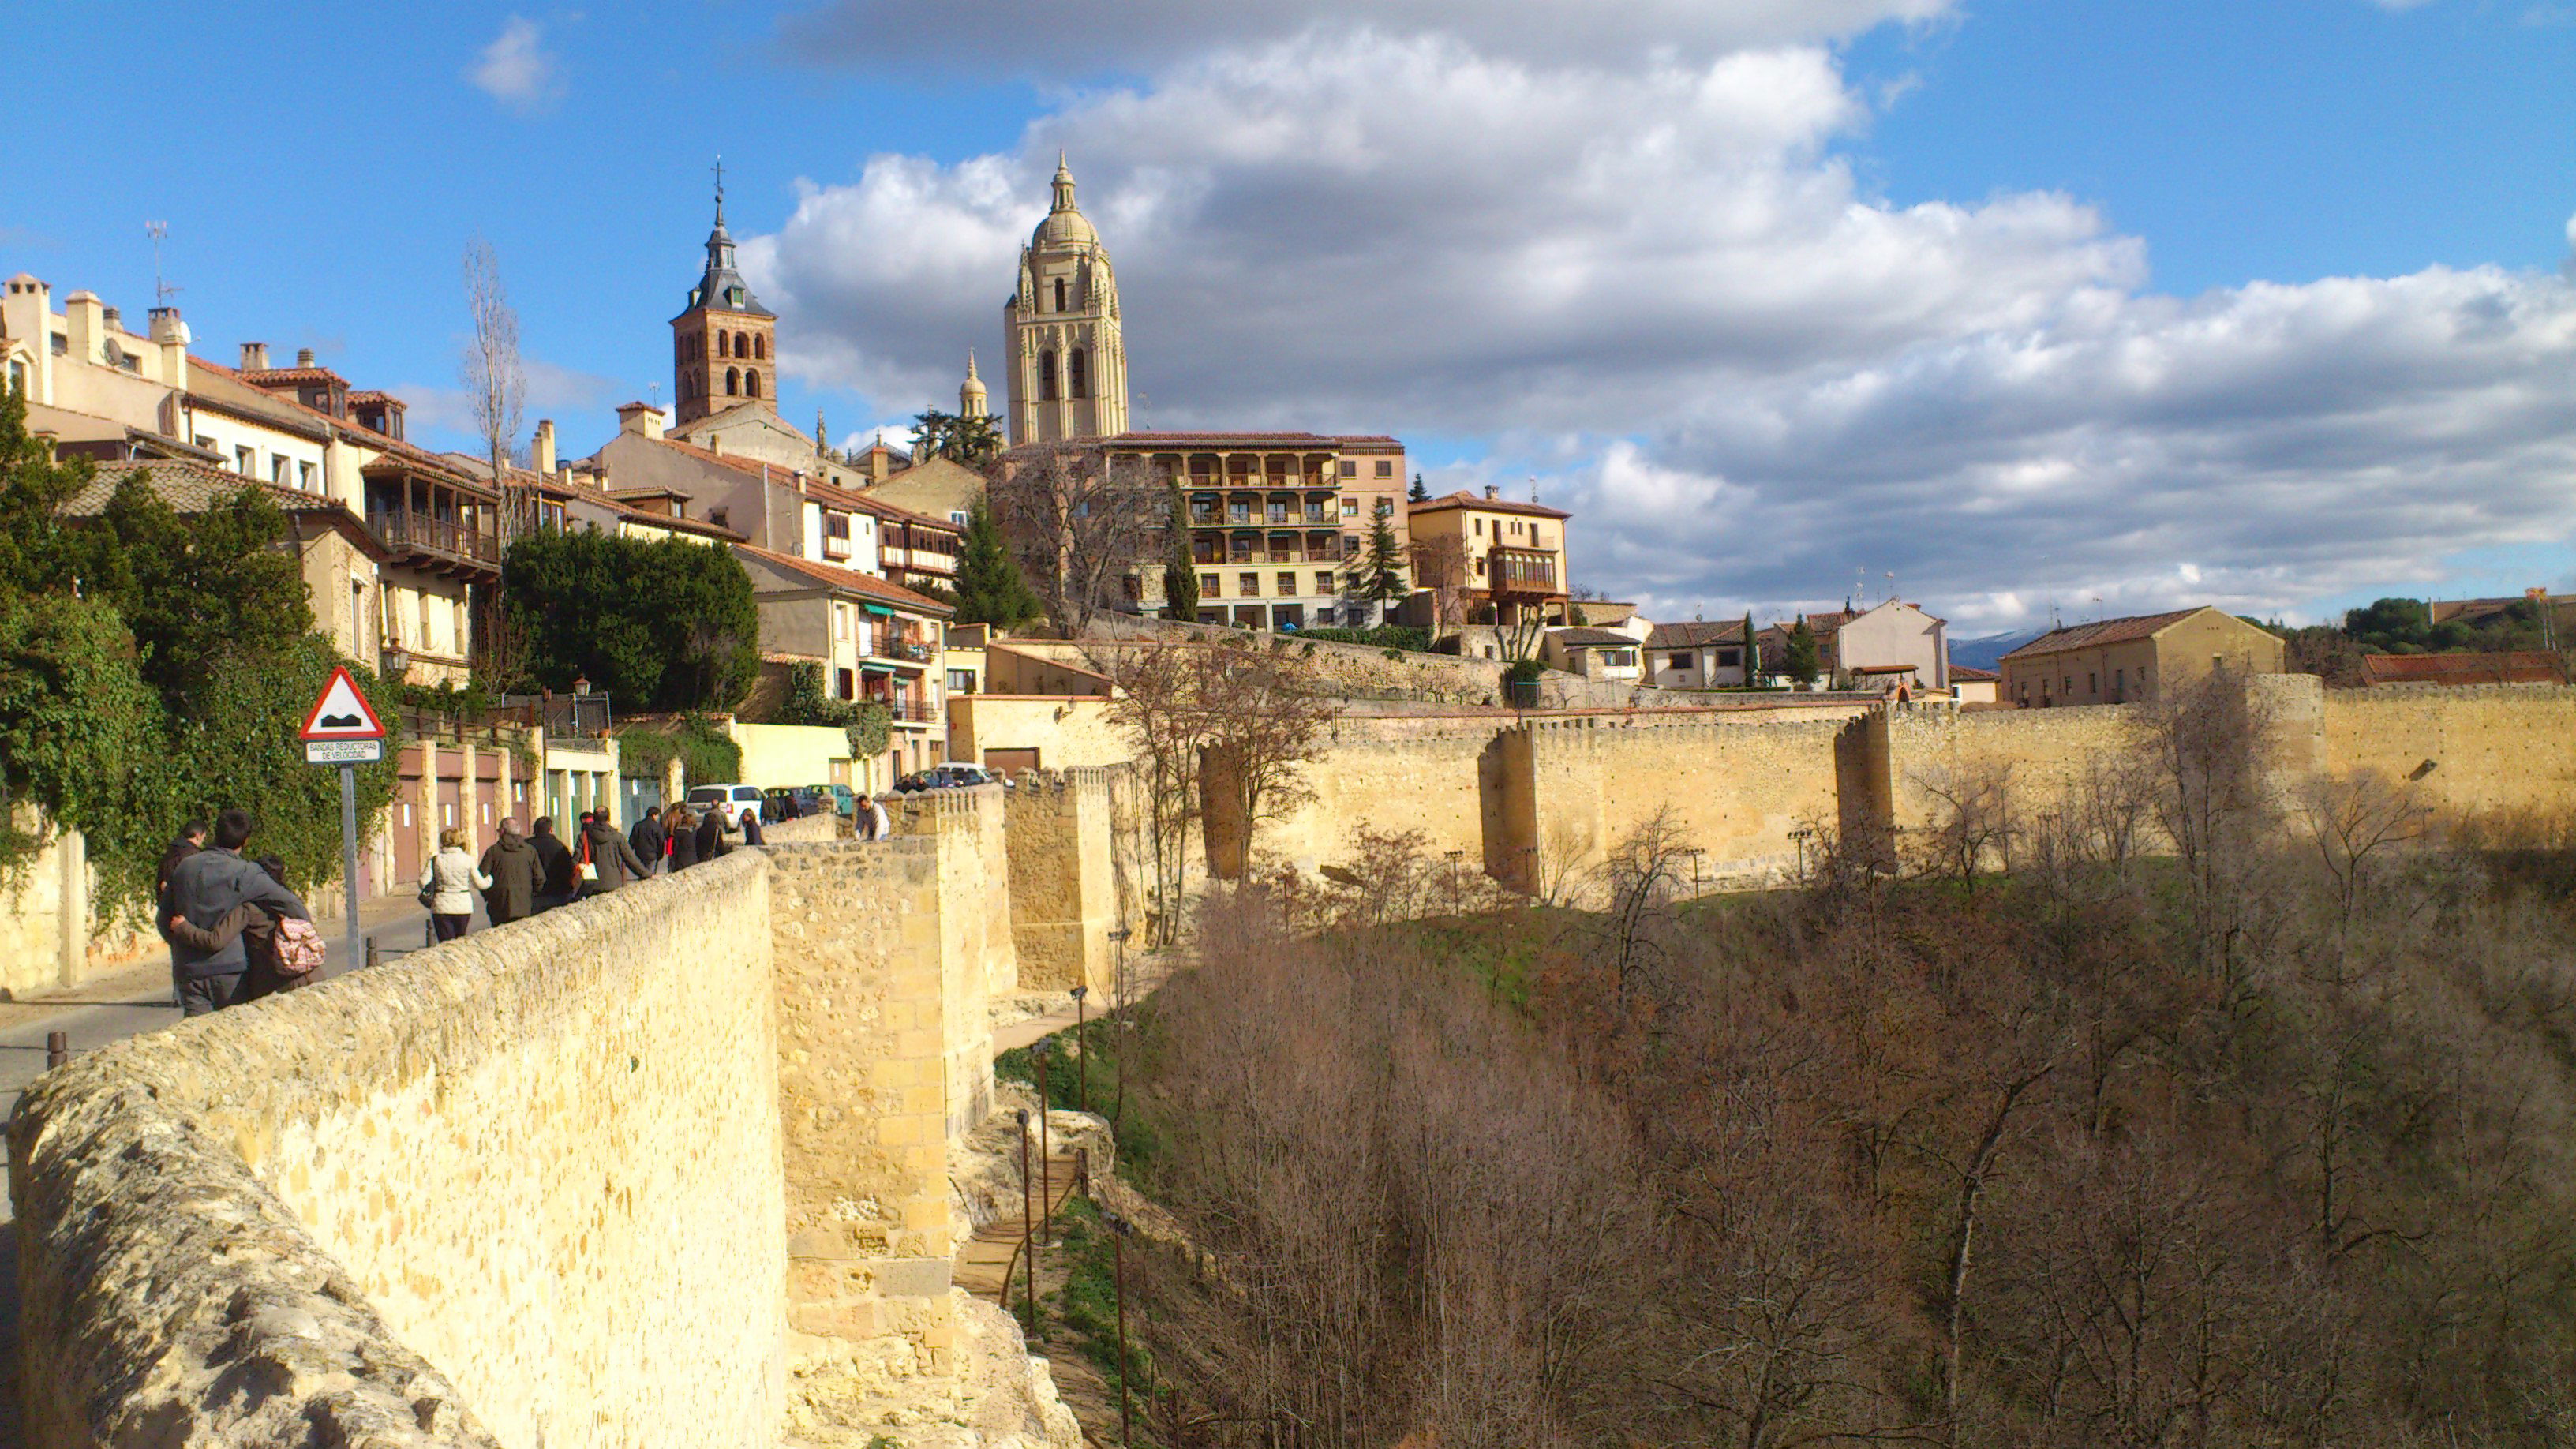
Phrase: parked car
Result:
[956,775]
[842,799]
[703,798]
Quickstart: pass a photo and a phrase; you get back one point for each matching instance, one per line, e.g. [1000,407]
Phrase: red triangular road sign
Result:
[342,713]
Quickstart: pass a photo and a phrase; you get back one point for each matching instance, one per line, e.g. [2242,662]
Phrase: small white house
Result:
[1870,647]
[1592,653]
[1696,655]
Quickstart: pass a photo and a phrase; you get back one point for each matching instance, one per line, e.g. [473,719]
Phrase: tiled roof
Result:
[2105,631]
[1464,499]
[363,436]
[1885,668]
[1589,638]
[1973,675]
[848,579]
[2516,666]
[1696,634]
[263,376]
[195,488]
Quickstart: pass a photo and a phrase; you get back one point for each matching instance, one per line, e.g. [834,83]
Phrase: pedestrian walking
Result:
[448,884]
[872,821]
[191,839]
[648,840]
[608,860]
[554,864]
[683,844]
[258,929]
[516,875]
[711,833]
[751,831]
[204,888]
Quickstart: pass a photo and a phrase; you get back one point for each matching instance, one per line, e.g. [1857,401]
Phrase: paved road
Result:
[135,999]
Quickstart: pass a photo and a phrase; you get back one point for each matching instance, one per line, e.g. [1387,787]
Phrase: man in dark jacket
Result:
[684,839]
[204,888]
[610,855]
[192,838]
[711,841]
[554,866]
[516,874]
[647,839]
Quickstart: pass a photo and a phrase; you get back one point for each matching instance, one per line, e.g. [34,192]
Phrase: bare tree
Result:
[1265,720]
[496,383]
[1440,565]
[1156,702]
[1084,526]
[1971,818]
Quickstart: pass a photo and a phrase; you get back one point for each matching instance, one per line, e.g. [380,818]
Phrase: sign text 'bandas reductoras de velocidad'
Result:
[342,728]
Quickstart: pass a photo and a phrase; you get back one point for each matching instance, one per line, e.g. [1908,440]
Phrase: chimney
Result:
[254,357]
[541,454]
[304,357]
[640,417]
[113,318]
[84,316]
[166,326]
[1493,491]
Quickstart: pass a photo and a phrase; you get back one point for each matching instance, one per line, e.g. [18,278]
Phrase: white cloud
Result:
[1658,286]
[516,69]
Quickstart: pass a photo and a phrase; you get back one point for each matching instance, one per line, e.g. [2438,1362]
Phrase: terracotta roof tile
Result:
[2101,632]
[1585,638]
[1464,499]
[850,579]
[1696,634]
[2515,666]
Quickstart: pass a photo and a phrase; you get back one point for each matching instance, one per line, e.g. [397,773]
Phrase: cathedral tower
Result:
[1067,367]
[724,348]
[970,393]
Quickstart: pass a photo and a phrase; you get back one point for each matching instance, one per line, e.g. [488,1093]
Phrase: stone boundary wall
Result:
[2493,748]
[971,827]
[807,830]
[1064,890]
[535,1171]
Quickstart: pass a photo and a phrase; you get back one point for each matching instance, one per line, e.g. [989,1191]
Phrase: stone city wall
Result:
[971,829]
[2493,748]
[1064,886]
[534,1171]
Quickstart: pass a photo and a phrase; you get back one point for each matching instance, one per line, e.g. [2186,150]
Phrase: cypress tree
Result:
[1801,659]
[1180,572]
[989,587]
[1752,655]
[1379,575]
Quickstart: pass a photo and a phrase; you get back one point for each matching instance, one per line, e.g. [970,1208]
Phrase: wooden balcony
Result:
[1522,573]
[446,545]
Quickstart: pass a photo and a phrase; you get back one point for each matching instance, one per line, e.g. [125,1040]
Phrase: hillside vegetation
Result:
[2037,1141]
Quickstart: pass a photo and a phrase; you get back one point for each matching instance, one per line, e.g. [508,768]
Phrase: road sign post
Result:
[342,730]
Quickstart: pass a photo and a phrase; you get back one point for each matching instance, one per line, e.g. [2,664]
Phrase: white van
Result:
[743,798]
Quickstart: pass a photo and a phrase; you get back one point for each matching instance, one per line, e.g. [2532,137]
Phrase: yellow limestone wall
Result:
[2492,747]
[534,1171]
[1064,891]
[975,927]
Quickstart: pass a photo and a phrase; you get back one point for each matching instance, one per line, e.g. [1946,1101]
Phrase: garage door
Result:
[1010,762]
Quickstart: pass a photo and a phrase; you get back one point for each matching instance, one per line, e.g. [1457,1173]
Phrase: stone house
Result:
[1593,653]
[2118,661]
[1891,644]
[1696,655]
[1509,557]
[875,642]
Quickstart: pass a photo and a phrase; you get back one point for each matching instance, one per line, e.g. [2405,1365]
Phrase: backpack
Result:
[297,947]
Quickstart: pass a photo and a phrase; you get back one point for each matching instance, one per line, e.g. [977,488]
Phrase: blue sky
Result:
[2263,304]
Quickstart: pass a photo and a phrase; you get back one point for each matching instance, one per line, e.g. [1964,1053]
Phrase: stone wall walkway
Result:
[984,1258]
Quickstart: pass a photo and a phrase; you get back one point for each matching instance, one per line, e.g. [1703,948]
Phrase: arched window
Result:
[733,381]
[1046,376]
[759,346]
[1077,374]
[751,382]
[1059,294]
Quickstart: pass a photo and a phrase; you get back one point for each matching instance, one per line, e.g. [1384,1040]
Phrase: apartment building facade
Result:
[1277,520]
[1505,559]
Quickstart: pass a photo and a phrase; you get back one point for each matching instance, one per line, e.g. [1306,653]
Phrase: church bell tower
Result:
[1066,363]
[724,347]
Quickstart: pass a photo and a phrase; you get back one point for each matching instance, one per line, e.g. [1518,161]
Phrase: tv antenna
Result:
[162,291]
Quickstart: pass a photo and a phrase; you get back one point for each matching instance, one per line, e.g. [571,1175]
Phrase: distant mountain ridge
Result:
[1986,650]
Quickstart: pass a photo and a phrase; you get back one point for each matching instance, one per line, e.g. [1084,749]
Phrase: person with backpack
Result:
[606,860]
[648,840]
[204,889]
[448,884]
[284,953]
[516,874]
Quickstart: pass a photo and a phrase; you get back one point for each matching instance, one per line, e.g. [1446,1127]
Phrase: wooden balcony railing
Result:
[1521,571]
[446,538]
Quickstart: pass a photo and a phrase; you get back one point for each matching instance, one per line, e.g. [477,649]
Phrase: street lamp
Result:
[1028,1248]
[1118,1276]
[1081,1054]
[1046,1187]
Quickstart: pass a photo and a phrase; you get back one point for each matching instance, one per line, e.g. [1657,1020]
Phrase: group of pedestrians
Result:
[522,876]
[236,932]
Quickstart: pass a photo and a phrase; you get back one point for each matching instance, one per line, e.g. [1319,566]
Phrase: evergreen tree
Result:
[1752,655]
[990,589]
[972,441]
[1378,576]
[1180,571]
[1419,494]
[661,625]
[1800,658]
